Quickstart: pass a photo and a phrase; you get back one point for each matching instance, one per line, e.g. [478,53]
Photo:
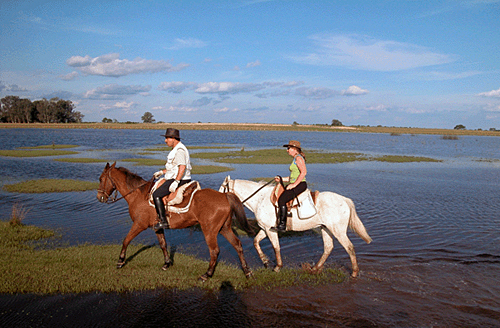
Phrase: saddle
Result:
[178,201]
[278,190]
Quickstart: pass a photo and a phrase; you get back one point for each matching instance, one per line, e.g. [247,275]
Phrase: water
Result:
[434,259]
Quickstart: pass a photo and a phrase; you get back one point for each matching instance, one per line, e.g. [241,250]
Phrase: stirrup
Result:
[161,225]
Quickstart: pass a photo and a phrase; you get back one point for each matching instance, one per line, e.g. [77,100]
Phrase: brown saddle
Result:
[181,196]
[278,190]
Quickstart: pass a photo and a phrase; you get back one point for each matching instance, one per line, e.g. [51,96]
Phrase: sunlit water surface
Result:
[434,259]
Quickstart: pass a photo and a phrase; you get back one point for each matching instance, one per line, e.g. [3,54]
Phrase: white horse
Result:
[334,214]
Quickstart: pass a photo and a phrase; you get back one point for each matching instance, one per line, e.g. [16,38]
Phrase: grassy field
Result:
[251,126]
[90,268]
[51,185]
[279,156]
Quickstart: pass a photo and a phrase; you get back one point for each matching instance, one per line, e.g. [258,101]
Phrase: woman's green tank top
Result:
[294,171]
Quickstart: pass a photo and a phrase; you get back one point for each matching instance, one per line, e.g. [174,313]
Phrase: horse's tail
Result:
[239,212]
[355,222]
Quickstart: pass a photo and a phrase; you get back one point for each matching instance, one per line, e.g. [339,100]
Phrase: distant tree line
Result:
[16,110]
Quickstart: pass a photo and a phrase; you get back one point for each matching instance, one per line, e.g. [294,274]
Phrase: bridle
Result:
[113,198]
[228,187]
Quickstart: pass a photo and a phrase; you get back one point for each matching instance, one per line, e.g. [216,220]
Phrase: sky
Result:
[403,63]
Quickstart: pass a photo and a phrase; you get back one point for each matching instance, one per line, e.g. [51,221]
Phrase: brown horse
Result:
[211,209]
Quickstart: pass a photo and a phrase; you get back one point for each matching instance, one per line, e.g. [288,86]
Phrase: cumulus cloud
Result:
[491,94]
[228,87]
[354,90]
[187,43]
[69,77]
[115,91]
[112,65]
[365,53]
[122,105]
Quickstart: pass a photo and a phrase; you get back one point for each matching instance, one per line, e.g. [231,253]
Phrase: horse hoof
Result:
[120,265]
[166,266]
[266,264]
[203,278]
[249,275]
[277,268]
[306,267]
[354,275]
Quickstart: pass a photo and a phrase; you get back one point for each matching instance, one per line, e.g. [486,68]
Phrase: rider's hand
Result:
[158,174]
[173,186]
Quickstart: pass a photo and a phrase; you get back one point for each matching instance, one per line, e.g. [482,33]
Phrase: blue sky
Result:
[406,63]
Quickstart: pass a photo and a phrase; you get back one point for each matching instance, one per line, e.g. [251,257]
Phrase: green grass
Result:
[196,169]
[35,153]
[91,268]
[279,156]
[51,185]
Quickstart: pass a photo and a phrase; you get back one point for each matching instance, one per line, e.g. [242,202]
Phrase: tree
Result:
[459,127]
[107,120]
[147,118]
[337,123]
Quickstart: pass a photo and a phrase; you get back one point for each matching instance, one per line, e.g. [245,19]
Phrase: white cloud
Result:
[354,90]
[69,77]
[254,64]
[225,110]
[123,105]
[316,93]
[115,91]
[176,87]
[365,53]
[187,43]
[491,94]
[228,87]
[112,65]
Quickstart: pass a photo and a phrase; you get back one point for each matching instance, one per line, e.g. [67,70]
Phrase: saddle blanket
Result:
[177,197]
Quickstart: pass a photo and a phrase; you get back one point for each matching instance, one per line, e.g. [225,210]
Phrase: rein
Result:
[256,191]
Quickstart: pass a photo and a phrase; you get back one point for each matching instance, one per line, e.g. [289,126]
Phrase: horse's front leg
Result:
[256,243]
[134,231]
[273,238]
[163,244]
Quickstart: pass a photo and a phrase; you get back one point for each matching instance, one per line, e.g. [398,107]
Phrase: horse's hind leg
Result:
[349,247]
[256,243]
[134,231]
[228,233]
[163,244]
[327,249]
[273,238]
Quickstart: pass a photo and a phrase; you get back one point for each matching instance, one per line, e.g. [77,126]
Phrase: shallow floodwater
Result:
[434,260]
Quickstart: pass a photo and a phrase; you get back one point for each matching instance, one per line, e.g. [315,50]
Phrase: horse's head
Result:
[106,185]
[224,187]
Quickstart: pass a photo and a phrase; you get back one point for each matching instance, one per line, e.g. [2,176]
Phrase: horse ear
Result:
[228,178]
[107,166]
[113,164]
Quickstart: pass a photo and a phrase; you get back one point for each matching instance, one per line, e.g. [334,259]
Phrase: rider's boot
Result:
[162,215]
[282,215]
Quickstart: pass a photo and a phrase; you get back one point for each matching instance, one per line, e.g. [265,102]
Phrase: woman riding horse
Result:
[297,181]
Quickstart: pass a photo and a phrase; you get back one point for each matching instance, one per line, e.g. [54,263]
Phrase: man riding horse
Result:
[177,173]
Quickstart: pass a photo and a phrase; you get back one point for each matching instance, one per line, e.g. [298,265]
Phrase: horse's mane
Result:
[133,180]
